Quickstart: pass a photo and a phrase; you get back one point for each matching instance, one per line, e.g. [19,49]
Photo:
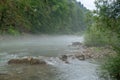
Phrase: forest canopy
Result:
[41,16]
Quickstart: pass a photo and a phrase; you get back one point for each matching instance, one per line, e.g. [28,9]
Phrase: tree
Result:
[108,19]
[41,16]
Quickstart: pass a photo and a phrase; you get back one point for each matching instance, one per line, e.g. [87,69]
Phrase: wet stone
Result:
[31,61]
[80,56]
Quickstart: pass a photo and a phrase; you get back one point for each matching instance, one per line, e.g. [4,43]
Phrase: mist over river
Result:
[49,48]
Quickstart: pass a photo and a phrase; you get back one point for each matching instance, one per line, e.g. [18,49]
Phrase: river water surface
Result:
[47,47]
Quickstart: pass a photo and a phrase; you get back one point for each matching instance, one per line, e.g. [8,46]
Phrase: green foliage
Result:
[12,31]
[105,27]
[108,11]
[94,37]
[106,30]
[113,67]
[42,16]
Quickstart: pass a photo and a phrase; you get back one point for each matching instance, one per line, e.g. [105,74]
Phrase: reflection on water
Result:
[44,46]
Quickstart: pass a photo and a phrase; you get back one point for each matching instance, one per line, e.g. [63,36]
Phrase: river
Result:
[47,47]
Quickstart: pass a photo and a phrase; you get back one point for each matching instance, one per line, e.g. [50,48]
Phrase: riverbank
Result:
[93,52]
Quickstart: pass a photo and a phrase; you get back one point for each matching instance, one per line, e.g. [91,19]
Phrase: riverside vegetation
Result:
[105,30]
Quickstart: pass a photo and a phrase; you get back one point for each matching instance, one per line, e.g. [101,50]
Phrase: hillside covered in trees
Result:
[41,16]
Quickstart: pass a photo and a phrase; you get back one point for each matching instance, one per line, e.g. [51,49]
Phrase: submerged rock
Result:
[66,57]
[80,56]
[3,74]
[76,43]
[26,61]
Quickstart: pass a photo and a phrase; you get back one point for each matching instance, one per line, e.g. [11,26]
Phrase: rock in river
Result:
[76,43]
[31,61]
[80,56]
[64,58]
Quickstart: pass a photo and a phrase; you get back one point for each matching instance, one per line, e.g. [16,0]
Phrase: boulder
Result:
[64,58]
[26,61]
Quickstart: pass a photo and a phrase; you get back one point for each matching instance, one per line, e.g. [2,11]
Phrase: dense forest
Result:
[105,30]
[41,16]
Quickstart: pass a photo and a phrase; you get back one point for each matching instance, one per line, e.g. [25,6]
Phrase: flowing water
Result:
[50,47]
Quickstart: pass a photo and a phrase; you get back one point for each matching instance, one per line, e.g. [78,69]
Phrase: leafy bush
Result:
[113,67]
[94,37]
[10,31]
[13,32]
